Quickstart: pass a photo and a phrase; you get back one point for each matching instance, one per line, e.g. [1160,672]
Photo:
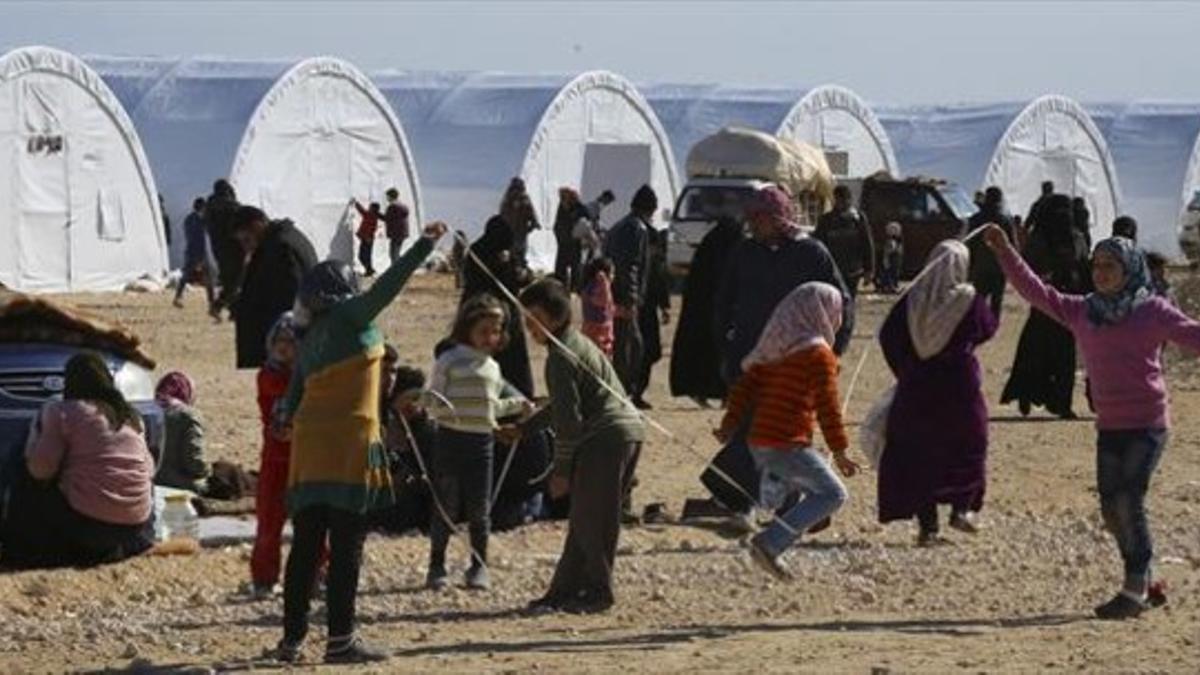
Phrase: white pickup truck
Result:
[726,169]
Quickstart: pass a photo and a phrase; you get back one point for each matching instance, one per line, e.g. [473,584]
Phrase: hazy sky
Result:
[889,52]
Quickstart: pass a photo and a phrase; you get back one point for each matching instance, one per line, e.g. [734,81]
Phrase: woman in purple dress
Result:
[936,440]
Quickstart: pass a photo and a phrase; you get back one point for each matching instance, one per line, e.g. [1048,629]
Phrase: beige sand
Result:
[1016,597]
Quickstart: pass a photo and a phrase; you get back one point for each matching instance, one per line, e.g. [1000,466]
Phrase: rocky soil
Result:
[1016,597]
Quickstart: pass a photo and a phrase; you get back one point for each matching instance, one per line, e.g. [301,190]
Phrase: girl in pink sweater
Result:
[1119,329]
[598,307]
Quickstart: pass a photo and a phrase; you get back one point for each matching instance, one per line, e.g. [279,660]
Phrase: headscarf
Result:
[1103,309]
[810,315]
[87,378]
[773,204]
[940,298]
[326,285]
[284,328]
[175,390]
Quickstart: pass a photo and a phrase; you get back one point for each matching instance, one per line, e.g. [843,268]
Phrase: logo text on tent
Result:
[45,144]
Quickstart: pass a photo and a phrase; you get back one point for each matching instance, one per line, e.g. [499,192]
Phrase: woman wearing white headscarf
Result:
[936,440]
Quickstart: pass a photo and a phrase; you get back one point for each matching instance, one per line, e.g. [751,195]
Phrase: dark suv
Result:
[32,373]
[928,211]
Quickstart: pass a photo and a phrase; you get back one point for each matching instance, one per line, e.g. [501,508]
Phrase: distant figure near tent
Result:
[985,271]
[197,259]
[395,217]
[219,211]
[1126,226]
[277,257]
[846,233]
[569,258]
[517,210]
[1043,372]
[367,229]
[628,246]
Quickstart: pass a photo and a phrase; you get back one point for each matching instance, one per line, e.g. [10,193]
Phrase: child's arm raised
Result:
[1180,328]
[1058,306]
[364,308]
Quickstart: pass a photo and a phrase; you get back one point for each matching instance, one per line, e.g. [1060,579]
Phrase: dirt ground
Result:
[1016,597]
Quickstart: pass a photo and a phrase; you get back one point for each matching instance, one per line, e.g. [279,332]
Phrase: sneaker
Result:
[1122,606]
[262,591]
[353,650]
[286,652]
[964,522]
[477,578]
[437,579]
[642,404]
[768,561]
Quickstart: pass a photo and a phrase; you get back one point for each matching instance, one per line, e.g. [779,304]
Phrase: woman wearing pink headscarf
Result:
[936,438]
[182,464]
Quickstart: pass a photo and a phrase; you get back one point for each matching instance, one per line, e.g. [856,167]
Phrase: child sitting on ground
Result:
[788,379]
[598,307]
[1119,328]
[270,508]
[468,396]
[408,424]
[182,464]
[598,436]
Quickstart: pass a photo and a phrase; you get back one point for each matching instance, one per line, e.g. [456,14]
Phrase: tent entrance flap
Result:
[622,168]
[44,201]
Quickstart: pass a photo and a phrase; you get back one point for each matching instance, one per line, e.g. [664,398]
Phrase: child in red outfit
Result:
[271,502]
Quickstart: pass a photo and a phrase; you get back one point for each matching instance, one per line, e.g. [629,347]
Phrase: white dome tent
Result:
[472,133]
[830,117]
[1153,145]
[1013,147]
[78,203]
[296,139]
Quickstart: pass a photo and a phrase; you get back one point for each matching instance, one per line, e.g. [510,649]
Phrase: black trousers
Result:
[346,531]
[366,249]
[628,354]
[568,262]
[598,482]
[462,472]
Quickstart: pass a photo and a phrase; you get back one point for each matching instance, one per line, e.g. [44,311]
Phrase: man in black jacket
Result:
[279,255]
[845,232]
[219,211]
[628,246]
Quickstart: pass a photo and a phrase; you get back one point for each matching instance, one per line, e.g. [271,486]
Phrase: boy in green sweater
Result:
[598,436]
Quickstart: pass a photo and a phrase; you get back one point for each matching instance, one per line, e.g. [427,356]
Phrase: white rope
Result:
[854,379]
[654,424]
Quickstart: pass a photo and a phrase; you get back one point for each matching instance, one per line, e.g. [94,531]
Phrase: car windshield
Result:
[958,200]
[1194,205]
[706,202]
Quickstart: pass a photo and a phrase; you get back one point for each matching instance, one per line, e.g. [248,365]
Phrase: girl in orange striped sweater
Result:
[790,381]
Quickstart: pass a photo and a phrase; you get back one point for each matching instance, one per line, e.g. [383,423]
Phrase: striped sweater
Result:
[470,393]
[783,397]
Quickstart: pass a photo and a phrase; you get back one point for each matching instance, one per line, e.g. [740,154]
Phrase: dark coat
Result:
[269,287]
[986,274]
[628,247]
[219,212]
[695,356]
[847,236]
[758,277]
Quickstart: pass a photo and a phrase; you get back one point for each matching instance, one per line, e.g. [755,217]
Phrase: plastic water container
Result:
[179,518]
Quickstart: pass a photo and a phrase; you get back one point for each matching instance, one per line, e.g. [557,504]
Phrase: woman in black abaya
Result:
[1043,372]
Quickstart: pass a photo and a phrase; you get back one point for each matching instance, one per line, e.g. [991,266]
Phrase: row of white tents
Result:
[87,145]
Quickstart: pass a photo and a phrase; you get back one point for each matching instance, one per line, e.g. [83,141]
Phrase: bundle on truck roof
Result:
[736,152]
